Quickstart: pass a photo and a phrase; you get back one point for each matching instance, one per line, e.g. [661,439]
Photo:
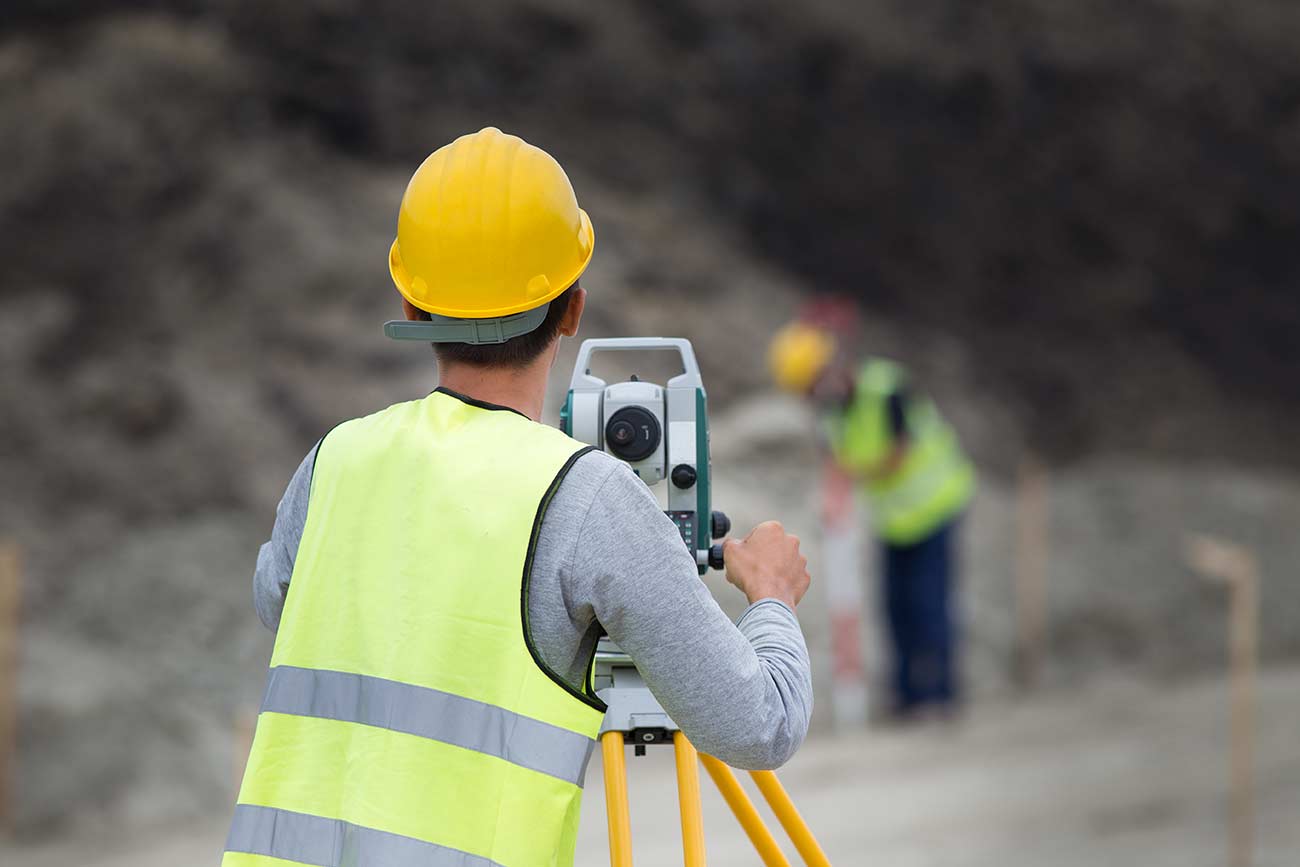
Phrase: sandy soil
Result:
[1115,774]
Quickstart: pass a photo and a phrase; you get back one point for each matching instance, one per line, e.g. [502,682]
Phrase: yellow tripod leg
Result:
[620,821]
[786,813]
[748,817]
[688,800]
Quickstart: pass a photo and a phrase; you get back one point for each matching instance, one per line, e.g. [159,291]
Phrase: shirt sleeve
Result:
[276,557]
[741,692]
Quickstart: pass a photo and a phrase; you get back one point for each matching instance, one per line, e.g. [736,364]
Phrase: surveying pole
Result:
[842,557]
[635,717]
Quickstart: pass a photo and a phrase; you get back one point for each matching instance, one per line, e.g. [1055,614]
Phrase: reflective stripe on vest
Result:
[428,713]
[305,839]
[407,719]
[935,480]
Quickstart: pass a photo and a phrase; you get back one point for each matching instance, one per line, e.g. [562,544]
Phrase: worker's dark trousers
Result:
[918,589]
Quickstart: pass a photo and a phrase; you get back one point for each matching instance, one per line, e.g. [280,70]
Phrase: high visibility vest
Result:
[935,480]
[408,719]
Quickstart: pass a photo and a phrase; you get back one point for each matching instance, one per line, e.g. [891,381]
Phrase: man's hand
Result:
[767,564]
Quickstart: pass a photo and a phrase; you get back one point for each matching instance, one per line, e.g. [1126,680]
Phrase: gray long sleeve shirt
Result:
[607,556]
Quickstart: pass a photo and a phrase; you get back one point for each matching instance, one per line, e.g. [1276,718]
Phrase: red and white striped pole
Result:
[843,579]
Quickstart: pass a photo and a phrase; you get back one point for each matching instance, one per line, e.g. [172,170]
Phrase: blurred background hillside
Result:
[1076,222]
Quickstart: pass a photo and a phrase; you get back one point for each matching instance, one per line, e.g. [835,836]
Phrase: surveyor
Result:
[439,573]
[886,434]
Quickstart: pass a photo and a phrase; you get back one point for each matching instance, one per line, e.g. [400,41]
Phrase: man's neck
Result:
[522,390]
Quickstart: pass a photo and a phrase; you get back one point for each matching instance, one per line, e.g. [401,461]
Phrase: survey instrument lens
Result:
[632,434]
[621,433]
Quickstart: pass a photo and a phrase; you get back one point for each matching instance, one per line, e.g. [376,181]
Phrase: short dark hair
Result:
[517,352]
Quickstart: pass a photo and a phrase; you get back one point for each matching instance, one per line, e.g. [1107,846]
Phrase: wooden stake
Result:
[1237,568]
[1031,570]
[10,606]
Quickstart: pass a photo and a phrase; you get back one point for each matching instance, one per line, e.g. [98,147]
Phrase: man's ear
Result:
[573,316]
[413,313]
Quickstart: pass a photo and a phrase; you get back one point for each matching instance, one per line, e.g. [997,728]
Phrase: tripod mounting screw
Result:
[721,524]
[715,557]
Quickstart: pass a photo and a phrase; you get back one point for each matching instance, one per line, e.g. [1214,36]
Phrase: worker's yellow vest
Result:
[407,719]
[935,480]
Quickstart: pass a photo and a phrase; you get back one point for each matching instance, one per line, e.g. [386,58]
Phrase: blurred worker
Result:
[440,571]
[884,433]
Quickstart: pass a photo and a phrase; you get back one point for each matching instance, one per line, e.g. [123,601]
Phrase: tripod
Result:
[635,717]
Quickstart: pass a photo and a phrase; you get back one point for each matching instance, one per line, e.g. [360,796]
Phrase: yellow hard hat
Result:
[488,227]
[798,355]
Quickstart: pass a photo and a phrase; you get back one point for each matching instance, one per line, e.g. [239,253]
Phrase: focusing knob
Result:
[721,524]
[715,557]
[683,476]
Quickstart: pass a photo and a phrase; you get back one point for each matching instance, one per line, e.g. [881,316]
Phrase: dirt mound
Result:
[1095,201]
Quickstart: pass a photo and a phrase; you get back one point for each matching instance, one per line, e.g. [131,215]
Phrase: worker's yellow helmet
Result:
[488,227]
[798,355]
